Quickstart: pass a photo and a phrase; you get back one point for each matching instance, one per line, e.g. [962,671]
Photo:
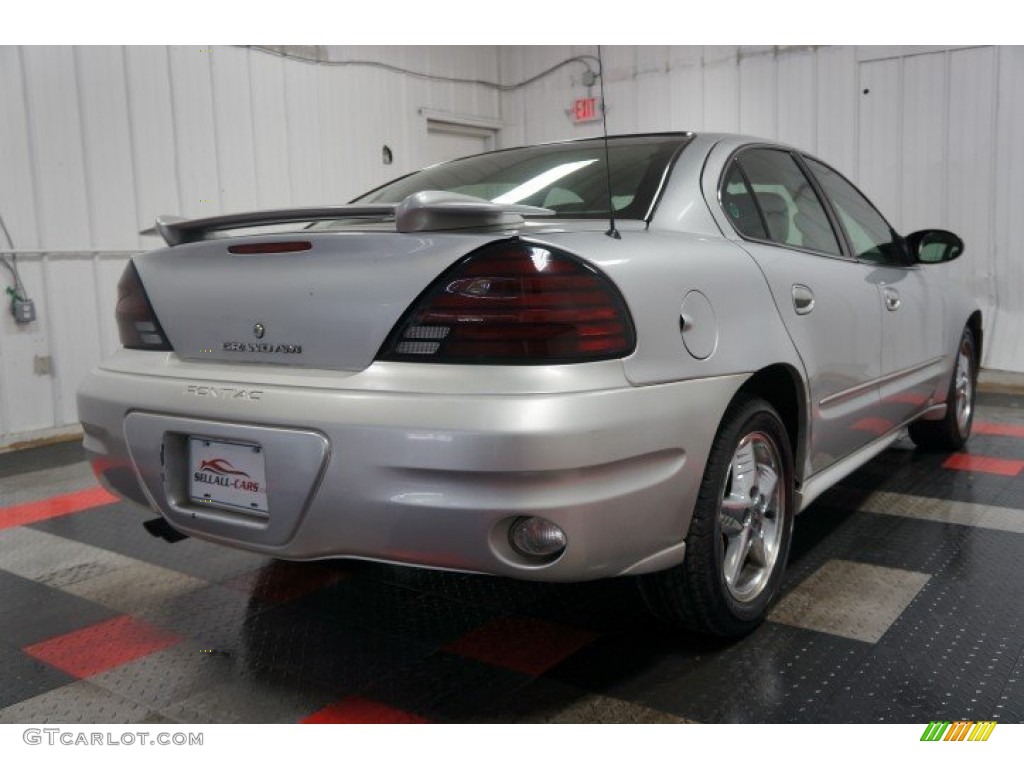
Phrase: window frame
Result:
[845,252]
[907,263]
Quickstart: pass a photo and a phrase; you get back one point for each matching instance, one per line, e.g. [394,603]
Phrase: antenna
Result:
[612,231]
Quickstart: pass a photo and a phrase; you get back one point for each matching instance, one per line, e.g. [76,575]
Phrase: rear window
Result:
[571,178]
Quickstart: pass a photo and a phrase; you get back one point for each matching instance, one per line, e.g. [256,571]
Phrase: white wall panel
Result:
[758,95]
[26,398]
[837,108]
[151,118]
[235,117]
[970,170]
[654,101]
[1006,329]
[721,88]
[797,117]
[17,189]
[74,327]
[924,125]
[195,130]
[51,101]
[335,142]
[302,102]
[686,88]
[270,131]
[879,170]
[75,295]
[106,145]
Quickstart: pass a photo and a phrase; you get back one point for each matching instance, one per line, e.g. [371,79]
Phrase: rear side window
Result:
[870,235]
[791,209]
[739,205]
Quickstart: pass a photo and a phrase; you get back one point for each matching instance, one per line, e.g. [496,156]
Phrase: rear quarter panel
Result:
[656,270]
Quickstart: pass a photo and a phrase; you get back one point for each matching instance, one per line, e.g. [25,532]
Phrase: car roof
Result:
[708,138]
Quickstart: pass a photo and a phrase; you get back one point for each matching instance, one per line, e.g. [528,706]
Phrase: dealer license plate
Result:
[231,475]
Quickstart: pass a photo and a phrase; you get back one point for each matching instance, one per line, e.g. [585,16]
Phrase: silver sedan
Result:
[562,362]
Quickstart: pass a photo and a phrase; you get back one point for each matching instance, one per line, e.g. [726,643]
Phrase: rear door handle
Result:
[892,299]
[803,299]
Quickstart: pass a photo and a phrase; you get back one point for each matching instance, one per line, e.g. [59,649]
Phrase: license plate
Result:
[231,475]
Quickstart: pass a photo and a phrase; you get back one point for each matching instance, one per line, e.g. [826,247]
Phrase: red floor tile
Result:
[986,464]
[359,710]
[1004,430]
[92,650]
[55,506]
[531,646]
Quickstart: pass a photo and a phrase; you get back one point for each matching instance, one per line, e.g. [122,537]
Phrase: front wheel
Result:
[952,431]
[739,537]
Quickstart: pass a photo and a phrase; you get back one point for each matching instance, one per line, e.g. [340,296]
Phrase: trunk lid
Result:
[331,306]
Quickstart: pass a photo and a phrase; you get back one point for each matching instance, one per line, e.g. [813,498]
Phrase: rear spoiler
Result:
[427,211]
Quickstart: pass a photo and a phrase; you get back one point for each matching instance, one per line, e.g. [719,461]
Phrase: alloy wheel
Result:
[751,516]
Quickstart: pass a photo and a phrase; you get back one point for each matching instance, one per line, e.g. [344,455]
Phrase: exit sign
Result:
[585,110]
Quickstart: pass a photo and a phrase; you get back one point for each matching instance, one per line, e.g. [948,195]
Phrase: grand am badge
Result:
[262,347]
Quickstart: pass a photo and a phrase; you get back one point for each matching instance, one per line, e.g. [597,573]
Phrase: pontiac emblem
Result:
[258,330]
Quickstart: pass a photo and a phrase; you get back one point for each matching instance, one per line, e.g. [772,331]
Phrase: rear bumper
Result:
[360,467]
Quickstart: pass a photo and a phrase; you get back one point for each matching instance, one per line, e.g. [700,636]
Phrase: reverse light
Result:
[514,302]
[136,322]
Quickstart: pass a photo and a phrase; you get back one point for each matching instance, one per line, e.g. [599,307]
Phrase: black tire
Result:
[952,431]
[697,595]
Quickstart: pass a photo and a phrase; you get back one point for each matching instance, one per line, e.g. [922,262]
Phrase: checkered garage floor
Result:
[904,603]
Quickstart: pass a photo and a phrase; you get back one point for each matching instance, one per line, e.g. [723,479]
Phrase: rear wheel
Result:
[952,431]
[739,537]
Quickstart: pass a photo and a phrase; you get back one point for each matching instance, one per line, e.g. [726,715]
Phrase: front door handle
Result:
[892,299]
[803,299]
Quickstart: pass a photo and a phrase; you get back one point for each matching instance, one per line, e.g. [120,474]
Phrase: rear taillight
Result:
[513,302]
[136,322]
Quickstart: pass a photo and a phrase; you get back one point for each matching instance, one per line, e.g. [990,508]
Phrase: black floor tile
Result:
[777,674]
[448,688]
[1010,706]
[628,664]
[298,647]
[365,604]
[32,612]
[118,528]
[45,457]
[24,677]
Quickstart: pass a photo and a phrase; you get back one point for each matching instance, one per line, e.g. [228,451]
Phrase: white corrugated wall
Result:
[934,136]
[96,141]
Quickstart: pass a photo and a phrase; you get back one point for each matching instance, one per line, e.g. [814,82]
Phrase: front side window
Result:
[789,205]
[869,234]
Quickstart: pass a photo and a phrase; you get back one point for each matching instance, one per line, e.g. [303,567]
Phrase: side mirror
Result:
[934,246]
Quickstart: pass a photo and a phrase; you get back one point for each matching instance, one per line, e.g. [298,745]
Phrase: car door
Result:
[912,353]
[827,299]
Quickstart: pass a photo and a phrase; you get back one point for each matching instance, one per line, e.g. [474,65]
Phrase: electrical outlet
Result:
[42,365]
[24,310]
